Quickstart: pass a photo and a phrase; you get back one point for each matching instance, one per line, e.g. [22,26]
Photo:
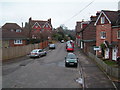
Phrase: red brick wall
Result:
[107,29]
[115,38]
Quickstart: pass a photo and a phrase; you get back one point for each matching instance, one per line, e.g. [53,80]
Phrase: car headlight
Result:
[67,61]
[75,61]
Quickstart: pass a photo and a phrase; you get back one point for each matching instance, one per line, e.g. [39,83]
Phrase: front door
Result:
[114,54]
[107,53]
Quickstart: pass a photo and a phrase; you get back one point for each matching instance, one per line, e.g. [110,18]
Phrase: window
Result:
[18,30]
[102,20]
[47,25]
[118,35]
[17,41]
[103,35]
[12,30]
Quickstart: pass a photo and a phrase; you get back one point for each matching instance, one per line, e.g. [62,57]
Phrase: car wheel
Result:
[66,65]
[45,54]
[76,65]
[39,55]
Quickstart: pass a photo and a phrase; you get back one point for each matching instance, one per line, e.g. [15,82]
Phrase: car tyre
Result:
[76,65]
[66,65]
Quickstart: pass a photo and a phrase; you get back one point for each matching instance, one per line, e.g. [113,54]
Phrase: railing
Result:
[111,71]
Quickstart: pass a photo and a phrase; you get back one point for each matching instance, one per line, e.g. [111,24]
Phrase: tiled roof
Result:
[11,35]
[40,22]
[9,26]
[112,15]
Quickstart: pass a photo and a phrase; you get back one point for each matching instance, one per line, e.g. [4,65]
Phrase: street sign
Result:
[96,48]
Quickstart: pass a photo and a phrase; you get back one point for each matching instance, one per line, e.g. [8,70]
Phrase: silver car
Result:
[37,53]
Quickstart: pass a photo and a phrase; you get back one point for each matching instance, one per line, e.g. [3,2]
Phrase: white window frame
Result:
[12,30]
[18,42]
[103,35]
[18,30]
[118,34]
[102,20]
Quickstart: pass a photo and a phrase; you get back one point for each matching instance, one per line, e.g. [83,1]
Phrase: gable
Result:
[102,15]
[36,26]
[47,25]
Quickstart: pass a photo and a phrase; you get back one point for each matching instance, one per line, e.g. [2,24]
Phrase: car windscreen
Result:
[70,47]
[52,45]
[34,51]
[71,56]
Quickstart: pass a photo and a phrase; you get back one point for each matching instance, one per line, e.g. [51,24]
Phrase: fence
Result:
[18,51]
[111,71]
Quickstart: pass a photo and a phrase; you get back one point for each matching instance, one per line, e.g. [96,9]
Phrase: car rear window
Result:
[34,51]
[71,56]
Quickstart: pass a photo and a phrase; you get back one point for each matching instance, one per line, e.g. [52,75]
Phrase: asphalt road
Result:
[50,72]
[45,72]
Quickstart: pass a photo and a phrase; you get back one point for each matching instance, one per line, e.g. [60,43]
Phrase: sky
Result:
[66,12]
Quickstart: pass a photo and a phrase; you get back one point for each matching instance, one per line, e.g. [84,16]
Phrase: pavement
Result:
[94,77]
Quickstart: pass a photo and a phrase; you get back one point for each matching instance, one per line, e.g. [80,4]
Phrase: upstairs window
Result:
[118,35]
[18,30]
[102,20]
[103,35]
[12,30]
[17,41]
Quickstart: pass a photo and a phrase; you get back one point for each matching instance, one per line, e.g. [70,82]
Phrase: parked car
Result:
[38,53]
[70,49]
[62,41]
[52,46]
[71,59]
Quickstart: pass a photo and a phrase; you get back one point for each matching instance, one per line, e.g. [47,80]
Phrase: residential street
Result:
[50,72]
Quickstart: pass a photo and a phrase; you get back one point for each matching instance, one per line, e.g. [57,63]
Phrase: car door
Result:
[40,52]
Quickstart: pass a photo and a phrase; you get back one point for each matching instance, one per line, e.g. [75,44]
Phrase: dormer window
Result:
[18,30]
[102,20]
[12,30]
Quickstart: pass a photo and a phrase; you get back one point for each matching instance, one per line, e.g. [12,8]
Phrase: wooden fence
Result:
[111,71]
[18,51]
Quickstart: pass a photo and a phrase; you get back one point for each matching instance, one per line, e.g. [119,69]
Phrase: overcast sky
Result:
[60,11]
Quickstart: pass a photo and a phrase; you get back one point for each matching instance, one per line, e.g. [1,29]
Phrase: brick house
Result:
[108,34]
[36,28]
[87,35]
[12,35]
[79,26]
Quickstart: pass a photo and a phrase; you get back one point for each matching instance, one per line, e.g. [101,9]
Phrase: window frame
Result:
[18,41]
[102,20]
[103,35]
[118,34]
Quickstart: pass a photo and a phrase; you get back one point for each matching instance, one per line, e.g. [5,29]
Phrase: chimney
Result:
[49,21]
[98,13]
[93,18]
[22,24]
[30,19]
[119,6]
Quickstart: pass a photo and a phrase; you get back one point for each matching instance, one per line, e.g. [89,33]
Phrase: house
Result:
[12,35]
[36,27]
[86,35]
[79,26]
[108,34]
[13,27]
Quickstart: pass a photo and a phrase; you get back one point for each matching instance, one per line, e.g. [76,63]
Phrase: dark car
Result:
[71,59]
[52,46]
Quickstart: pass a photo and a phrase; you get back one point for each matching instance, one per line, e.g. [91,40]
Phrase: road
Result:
[45,72]
[50,72]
